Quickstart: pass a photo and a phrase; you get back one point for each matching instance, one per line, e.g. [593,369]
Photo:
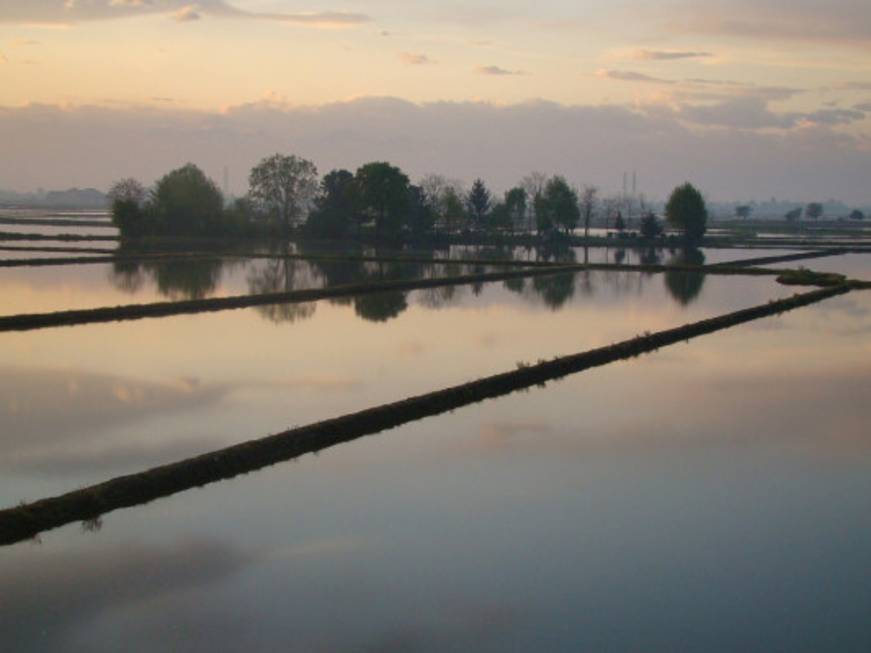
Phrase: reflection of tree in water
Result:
[283,275]
[684,285]
[619,256]
[556,289]
[177,279]
[650,256]
[187,279]
[380,307]
[127,276]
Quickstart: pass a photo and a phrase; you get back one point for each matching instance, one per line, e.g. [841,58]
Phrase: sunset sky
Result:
[795,71]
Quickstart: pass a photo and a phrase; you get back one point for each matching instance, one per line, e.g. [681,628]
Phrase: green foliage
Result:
[384,195]
[419,216]
[515,206]
[282,188]
[478,202]
[650,226]
[686,210]
[557,206]
[186,202]
[337,208]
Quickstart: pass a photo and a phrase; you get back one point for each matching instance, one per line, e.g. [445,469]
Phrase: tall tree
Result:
[383,194]
[793,215]
[185,201]
[856,214]
[478,202]
[515,206]
[589,201]
[283,187]
[558,206]
[337,207]
[743,211]
[128,199]
[686,210]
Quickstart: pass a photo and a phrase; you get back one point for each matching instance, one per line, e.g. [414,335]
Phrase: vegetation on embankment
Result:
[782,258]
[804,277]
[28,520]
[15,235]
[57,222]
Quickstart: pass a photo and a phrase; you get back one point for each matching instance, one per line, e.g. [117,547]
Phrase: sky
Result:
[750,98]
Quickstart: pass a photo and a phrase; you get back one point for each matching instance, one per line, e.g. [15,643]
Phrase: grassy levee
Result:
[784,258]
[14,235]
[57,250]
[31,321]
[58,222]
[29,519]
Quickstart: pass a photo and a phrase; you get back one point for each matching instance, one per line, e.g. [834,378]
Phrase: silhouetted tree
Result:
[185,201]
[619,222]
[650,226]
[383,194]
[454,213]
[686,210]
[515,207]
[793,216]
[128,199]
[478,203]
[282,187]
[589,201]
[419,216]
[337,207]
[743,211]
[857,215]
[558,206]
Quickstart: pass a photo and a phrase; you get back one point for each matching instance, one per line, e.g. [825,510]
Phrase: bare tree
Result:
[283,187]
[589,202]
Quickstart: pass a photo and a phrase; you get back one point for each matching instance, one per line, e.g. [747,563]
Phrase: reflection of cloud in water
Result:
[821,414]
[48,596]
[53,414]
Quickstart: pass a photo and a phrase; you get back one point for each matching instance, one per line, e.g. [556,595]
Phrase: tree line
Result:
[286,196]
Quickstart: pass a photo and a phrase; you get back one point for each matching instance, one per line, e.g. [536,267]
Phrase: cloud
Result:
[24,43]
[833,117]
[669,55]
[629,76]
[839,22]
[497,71]
[42,144]
[863,106]
[55,12]
[415,59]
[853,86]
[187,14]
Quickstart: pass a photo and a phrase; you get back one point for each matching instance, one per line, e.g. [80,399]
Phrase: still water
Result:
[712,496]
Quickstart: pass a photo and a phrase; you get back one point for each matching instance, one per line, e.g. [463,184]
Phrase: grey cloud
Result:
[836,21]
[670,55]
[834,116]
[863,106]
[497,71]
[414,58]
[49,594]
[61,12]
[630,76]
[43,144]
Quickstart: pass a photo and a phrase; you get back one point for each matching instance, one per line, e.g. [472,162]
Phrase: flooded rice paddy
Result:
[713,495]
